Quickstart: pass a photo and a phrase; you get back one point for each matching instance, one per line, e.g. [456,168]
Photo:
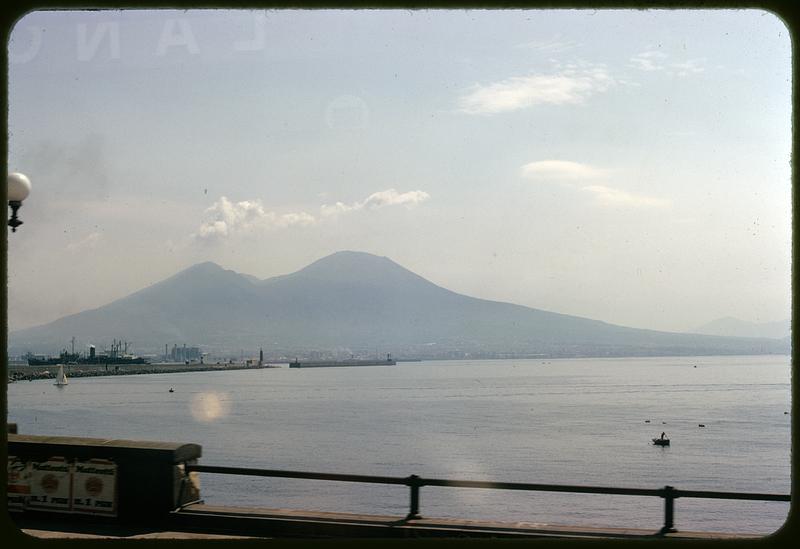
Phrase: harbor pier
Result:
[25,373]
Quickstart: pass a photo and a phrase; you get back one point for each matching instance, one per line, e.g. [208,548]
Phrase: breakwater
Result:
[29,373]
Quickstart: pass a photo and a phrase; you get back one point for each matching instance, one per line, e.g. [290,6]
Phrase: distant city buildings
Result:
[182,354]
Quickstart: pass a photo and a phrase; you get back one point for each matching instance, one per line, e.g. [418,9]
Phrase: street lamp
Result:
[19,186]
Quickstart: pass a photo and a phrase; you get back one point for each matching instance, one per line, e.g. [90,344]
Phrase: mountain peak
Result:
[205,266]
[351,258]
[204,269]
[353,266]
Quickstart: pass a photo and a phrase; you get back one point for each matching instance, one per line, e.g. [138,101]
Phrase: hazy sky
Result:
[627,166]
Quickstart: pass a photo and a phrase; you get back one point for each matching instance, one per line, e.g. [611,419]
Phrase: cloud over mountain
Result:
[225,218]
[381,199]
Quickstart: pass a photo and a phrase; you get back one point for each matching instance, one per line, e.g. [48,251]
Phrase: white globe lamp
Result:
[19,187]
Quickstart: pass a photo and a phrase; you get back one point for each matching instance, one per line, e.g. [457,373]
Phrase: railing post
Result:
[669,510]
[413,512]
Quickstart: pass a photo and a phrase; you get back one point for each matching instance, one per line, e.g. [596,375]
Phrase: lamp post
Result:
[19,186]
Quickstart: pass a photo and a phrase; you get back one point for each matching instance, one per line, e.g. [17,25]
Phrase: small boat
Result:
[661,441]
[171,390]
[61,378]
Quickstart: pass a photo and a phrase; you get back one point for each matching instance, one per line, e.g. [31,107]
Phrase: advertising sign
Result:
[51,485]
[94,487]
[19,483]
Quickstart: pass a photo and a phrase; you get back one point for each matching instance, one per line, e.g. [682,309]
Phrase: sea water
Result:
[567,421]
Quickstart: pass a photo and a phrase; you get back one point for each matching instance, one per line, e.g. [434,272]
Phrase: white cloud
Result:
[381,199]
[572,85]
[225,218]
[691,66]
[608,196]
[554,45]
[561,170]
[391,197]
[287,220]
[650,60]
[654,60]
[334,209]
[573,174]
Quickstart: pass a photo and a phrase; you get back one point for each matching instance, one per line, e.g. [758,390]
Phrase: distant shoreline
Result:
[24,373]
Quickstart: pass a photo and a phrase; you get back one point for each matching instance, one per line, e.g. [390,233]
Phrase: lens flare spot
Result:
[210,406]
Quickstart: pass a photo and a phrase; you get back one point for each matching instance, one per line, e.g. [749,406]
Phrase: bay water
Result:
[554,421]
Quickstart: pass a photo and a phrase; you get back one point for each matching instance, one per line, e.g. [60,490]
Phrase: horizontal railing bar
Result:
[542,487]
[407,481]
[731,495]
[294,474]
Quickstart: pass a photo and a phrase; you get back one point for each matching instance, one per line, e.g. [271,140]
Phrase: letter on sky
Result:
[183,37]
[87,48]
[258,42]
[32,51]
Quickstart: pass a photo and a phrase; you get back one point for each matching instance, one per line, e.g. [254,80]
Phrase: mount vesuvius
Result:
[357,301]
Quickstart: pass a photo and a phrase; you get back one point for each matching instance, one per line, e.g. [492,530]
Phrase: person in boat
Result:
[662,435]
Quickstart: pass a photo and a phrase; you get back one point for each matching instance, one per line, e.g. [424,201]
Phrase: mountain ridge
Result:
[355,300]
[735,327]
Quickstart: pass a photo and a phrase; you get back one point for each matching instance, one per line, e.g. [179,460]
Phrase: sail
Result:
[61,379]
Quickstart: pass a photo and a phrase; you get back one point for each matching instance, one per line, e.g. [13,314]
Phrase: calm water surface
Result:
[565,421]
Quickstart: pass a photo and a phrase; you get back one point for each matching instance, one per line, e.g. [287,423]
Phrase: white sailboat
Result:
[61,378]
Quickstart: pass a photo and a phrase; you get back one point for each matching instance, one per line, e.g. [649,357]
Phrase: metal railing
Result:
[414,482]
